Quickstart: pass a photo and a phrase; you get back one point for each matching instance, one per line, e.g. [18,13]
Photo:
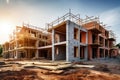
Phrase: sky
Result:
[39,12]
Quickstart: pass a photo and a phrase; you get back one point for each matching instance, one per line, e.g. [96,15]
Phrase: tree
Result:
[0,50]
[118,45]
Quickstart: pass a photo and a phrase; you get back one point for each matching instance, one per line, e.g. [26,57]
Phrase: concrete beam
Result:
[53,47]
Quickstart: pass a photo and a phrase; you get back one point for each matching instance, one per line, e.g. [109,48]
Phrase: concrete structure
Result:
[25,41]
[101,42]
[68,38]
[66,42]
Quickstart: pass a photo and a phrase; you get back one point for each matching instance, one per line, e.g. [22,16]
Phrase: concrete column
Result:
[108,53]
[90,53]
[87,38]
[86,49]
[104,41]
[104,52]
[16,49]
[13,54]
[98,53]
[29,54]
[86,52]
[16,42]
[37,53]
[79,42]
[53,47]
[67,40]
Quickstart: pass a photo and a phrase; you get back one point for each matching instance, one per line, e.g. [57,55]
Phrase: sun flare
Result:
[6,28]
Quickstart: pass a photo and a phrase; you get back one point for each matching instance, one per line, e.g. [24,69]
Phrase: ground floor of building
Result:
[60,53]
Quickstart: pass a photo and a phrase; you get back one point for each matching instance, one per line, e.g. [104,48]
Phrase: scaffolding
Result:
[69,16]
[33,27]
[74,18]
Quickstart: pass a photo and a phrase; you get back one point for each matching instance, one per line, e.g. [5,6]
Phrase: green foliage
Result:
[118,45]
[0,50]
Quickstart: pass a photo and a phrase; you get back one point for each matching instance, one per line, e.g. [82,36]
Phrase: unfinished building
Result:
[101,42]
[68,38]
[25,41]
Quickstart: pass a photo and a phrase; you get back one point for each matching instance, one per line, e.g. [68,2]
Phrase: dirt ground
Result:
[103,70]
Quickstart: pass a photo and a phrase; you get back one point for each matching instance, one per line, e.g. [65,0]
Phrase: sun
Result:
[6,28]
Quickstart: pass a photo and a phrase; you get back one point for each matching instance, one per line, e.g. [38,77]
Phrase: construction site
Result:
[68,38]
[69,48]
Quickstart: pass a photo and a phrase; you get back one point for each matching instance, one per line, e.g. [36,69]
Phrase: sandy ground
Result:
[103,70]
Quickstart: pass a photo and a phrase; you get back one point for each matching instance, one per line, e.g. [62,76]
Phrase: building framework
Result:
[68,38]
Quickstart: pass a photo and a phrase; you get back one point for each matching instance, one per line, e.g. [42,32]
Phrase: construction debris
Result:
[84,66]
[52,66]
[99,70]
[2,63]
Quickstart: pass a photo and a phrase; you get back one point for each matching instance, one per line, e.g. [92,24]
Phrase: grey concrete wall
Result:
[71,42]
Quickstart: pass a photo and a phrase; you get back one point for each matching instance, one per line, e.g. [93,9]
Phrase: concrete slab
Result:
[56,67]
[84,66]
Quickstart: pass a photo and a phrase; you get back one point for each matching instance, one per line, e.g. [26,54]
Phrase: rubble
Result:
[2,63]
[35,70]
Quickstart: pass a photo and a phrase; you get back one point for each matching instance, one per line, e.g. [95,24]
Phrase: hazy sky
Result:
[39,12]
